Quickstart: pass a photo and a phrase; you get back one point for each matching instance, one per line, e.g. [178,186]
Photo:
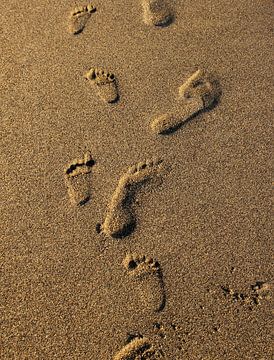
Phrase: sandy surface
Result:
[65,292]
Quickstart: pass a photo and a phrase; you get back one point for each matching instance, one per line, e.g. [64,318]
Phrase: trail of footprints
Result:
[155,12]
[200,92]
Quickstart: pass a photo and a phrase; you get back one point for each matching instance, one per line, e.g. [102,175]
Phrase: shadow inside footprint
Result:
[200,93]
[79,18]
[148,275]
[120,219]
[157,13]
[167,22]
[104,83]
[77,179]
[179,125]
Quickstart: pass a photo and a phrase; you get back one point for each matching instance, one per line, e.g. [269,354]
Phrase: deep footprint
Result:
[156,12]
[137,349]
[77,179]
[104,83]
[120,220]
[149,280]
[79,18]
[200,92]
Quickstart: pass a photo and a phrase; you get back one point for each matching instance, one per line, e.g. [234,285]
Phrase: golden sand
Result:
[189,85]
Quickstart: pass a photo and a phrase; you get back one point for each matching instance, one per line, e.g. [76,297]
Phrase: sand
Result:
[198,284]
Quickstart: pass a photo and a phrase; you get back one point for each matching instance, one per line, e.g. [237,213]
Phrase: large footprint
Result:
[120,220]
[156,12]
[137,349]
[199,92]
[77,179]
[104,83]
[147,274]
[79,18]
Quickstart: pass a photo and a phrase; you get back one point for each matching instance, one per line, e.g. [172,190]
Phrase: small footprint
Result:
[77,179]
[137,349]
[199,92]
[79,18]
[149,279]
[156,12]
[120,220]
[104,84]
[260,291]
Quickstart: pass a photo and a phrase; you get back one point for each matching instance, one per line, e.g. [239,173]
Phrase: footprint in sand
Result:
[104,84]
[147,274]
[79,18]
[156,12]
[77,179]
[120,220]
[137,349]
[200,92]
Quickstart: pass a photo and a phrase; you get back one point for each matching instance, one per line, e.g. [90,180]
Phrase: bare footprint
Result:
[137,349]
[201,85]
[149,280]
[79,18]
[77,179]
[156,12]
[201,91]
[104,84]
[120,220]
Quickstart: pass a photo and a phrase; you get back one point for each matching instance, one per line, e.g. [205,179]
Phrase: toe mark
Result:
[132,265]
[98,228]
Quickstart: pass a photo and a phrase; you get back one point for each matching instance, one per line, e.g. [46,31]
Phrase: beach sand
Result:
[186,274]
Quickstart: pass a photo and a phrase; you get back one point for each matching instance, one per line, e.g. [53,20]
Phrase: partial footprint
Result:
[120,220]
[79,18]
[137,349]
[171,121]
[149,280]
[260,292]
[201,85]
[77,179]
[157,12]
[104,84]
[201,91]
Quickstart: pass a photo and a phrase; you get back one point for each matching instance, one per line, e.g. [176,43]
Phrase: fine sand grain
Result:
[135,142]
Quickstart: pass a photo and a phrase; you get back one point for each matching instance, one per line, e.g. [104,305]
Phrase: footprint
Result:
[79,18]
[156,12]
[77,179]
[199,92]
[201,85]
[137,349]
[259,292]
[171,121]
[149,280]
[104,84]
[120,220]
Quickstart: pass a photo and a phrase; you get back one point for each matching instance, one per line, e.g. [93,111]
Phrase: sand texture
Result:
[135,156]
